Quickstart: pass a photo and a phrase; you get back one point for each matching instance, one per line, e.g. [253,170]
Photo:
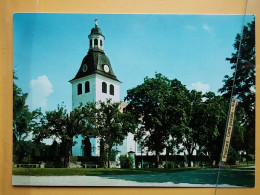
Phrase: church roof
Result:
[96,30]
[95,61]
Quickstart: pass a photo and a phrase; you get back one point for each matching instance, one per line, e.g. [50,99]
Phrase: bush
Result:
[126,161]
[73,159]
[170,165]
[233,156]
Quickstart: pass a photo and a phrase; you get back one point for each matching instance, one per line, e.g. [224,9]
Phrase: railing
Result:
[90,166]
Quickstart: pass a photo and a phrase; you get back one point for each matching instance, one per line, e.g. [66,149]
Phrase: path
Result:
[196,178]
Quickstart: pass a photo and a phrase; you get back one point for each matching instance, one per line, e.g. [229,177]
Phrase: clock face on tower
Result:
[85,68]
[106,68]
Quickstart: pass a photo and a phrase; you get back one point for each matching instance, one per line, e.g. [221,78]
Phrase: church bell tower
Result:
[94,81]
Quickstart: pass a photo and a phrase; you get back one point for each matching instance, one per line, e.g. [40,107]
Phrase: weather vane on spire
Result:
[96,22]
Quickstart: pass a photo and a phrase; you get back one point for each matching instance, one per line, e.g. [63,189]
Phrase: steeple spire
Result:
[96,20]
[96,39]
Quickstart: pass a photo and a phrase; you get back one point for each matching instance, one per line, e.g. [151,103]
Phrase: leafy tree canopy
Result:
[111,126]
[243,62]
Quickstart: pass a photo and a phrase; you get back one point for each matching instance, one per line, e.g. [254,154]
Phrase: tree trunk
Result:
[87,148]
[67,154]
[189,160]
[190,152]
[109,155]
[107,158]
[157,159]
[247,157]
[167,154]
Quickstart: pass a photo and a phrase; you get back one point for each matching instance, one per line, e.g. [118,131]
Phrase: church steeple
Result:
[96,61]
[95,81]
[96,39]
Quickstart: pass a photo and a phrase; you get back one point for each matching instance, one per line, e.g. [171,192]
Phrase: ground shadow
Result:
[244,177]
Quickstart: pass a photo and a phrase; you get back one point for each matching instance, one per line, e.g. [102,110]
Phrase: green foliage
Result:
[233,156]
[28,151]
[23,119]
[126,161]
[73,159]
[64,126]
[21,114]
[170,165]
[22,149]
[111,126]
[172,115]
[113,154]
[214,114]
[244,88]
[102,119]
[152,103]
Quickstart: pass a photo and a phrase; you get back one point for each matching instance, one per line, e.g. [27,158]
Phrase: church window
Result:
[95,42]
[101,43]
[111,89]
[87,87]
[104,87]
[79,88]
[90,42]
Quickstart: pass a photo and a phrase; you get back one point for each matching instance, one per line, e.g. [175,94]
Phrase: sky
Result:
[48,50]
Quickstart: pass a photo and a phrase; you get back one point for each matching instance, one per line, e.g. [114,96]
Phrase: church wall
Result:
[77,149]
[100,96]
[131,144]
[95,146]
[84,97]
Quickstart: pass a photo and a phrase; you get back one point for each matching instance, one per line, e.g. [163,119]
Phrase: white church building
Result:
[95,81]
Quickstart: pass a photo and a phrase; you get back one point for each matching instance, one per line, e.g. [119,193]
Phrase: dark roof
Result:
[95,60]
[96,30]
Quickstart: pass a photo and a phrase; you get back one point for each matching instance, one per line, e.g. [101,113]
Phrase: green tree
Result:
[23,122]
[171,116]
[150,102]
[111,126]
[21,114]
[126,161]
[214,115]
[58,124]
[243,62]
[192,126]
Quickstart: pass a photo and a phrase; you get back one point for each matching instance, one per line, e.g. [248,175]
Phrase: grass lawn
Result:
[93,172]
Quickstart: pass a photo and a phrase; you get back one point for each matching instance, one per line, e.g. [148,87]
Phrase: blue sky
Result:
[49,48]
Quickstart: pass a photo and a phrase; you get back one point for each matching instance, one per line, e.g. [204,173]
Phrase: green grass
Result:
[93,172]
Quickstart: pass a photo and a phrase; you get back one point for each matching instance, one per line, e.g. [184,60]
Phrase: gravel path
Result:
[197,178]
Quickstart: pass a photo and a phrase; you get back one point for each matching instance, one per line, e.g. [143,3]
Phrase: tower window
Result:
[101,42]
[87,87]
[111,89]
[79,88]
[104,87]
[90,43]
[95,42]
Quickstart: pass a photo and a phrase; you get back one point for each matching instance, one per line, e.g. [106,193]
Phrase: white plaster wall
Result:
[77,149]
[84,97]
[100,96]
[131,144]
[94,95]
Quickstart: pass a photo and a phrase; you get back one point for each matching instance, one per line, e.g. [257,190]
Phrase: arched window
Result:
[104,87]
[101,42]
[87,87]
[79,88]
[95,42]
[90,42]
[111,89]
